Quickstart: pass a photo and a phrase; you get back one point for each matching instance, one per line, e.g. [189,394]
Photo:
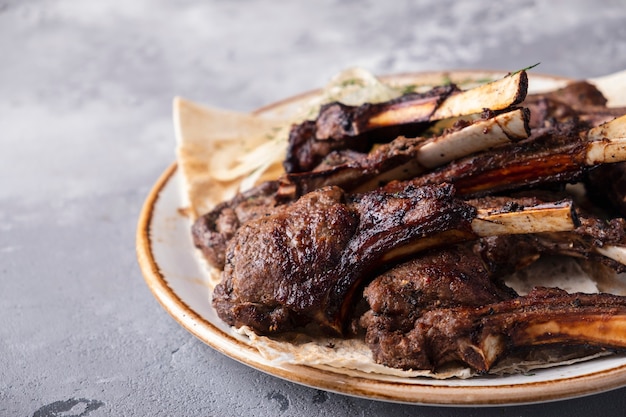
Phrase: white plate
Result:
[178,279]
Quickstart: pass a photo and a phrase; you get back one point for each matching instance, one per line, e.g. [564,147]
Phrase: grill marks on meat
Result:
[339,127]
[303,263]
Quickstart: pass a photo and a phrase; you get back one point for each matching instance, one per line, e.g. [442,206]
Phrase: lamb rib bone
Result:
[607,142]
[615,252]
[545,217]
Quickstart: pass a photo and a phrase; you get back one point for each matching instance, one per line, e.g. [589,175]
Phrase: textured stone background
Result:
[85,130]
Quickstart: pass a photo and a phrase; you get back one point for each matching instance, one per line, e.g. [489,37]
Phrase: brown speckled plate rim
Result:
[414,393]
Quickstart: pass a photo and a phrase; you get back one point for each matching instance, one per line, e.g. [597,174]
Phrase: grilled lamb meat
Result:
[579,101]
[303,262]
[440,278]
[591,232]
[461,278]
[479,336]
[298,251]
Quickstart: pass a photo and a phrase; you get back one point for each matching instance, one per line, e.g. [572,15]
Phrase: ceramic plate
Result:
[178,279]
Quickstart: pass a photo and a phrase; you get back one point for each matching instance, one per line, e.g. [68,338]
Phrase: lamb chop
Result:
[600,239]
[478,336]
[438,278]
[562,156]
[339,126]
[450,304]
[303,262]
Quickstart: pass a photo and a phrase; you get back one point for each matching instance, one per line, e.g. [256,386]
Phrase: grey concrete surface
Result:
[85,130]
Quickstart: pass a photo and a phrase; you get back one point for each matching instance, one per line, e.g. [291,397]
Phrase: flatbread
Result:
[209,141]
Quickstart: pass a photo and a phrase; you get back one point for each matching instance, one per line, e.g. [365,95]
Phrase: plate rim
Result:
[368,388]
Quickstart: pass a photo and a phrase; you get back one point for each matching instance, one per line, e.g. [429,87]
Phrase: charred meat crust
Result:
[403,157]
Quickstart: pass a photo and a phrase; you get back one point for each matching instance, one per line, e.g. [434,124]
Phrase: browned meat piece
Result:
[340,127]
[579,95]
[437,279]
[554,158]
[479,336]
[581,243]
[302,263]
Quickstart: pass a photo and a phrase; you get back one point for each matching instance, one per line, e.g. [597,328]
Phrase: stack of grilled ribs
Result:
[397,222]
